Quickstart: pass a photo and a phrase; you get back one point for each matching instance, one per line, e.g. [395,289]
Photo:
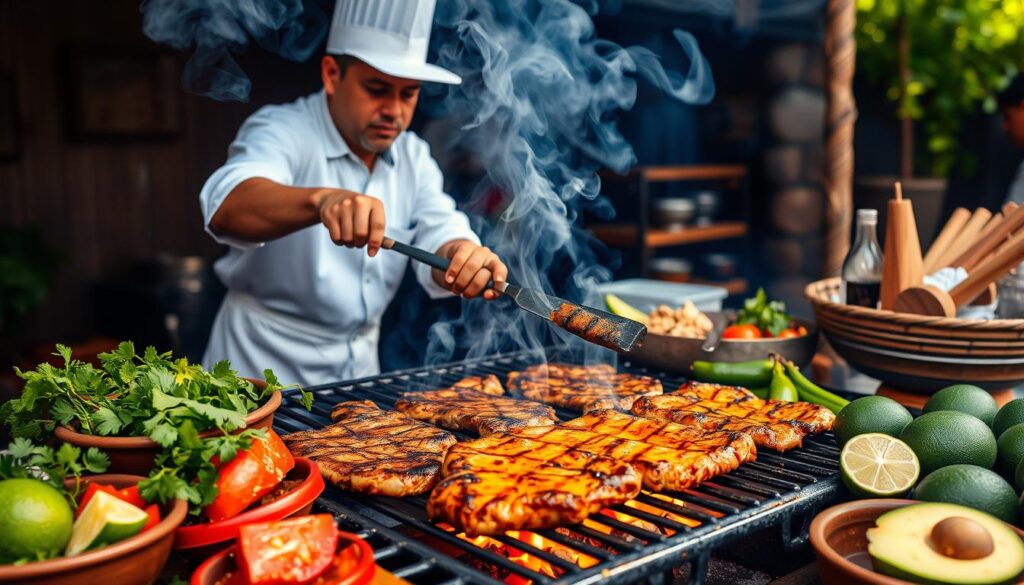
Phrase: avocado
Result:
[901,545]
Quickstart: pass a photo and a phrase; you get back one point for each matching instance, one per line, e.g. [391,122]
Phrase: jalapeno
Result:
[752,374]
[811,392]
[782,388]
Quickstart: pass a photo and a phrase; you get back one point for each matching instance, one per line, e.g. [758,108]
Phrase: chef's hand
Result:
[354,220]
[471,267]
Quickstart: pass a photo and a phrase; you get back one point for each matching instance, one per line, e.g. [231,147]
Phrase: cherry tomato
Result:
[741,332]
[252,474]
[802,330]
[788,333]
[296,550]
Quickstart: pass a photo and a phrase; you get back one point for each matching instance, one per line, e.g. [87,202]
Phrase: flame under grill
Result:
[630,542]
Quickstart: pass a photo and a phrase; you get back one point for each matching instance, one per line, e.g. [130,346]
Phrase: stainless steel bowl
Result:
[672,212]
[675,354]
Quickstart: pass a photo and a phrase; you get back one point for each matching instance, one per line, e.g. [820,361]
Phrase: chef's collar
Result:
[334,145]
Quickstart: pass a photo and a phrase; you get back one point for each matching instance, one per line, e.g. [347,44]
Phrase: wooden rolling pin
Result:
[930,300]
[949,232]
[990,239]
[964,239]
[902,266]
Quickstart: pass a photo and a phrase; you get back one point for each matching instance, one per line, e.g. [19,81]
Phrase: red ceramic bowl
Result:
[133,561]
[297,502]
[135,455]
[218,566]
[839,538]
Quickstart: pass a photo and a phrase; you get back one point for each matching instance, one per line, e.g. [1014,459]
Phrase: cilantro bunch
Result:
[24,460]
[133,395]
[766,315]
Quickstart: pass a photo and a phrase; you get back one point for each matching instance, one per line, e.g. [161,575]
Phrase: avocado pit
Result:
[961,538]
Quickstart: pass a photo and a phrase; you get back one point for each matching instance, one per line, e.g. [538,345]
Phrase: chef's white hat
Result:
[389,35]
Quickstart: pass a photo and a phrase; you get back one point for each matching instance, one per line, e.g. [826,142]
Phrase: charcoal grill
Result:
[641,540]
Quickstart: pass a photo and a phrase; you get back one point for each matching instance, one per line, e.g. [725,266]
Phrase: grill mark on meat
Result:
[466,409]
[586,324]
[582,388]
[773,424]
[373,451]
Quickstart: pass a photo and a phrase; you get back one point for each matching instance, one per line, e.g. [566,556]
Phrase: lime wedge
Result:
[623,309]
[105,520]
[877,465]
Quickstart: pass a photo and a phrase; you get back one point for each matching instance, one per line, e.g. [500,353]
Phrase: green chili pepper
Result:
[782,388]
[752,374]
[811,392]
[761,393]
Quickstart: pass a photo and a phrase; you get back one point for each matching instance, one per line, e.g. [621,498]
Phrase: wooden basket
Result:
[918,352]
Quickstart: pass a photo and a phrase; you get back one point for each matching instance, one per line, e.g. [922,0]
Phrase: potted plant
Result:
[939,62]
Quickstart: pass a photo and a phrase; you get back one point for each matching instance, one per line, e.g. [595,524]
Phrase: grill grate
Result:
[630,542]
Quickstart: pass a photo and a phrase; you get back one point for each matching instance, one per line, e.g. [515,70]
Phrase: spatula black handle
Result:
[423,256]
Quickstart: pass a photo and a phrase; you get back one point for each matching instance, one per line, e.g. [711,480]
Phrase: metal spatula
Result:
[592,325]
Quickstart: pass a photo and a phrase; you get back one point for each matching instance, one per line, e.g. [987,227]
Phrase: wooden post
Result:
[840,114]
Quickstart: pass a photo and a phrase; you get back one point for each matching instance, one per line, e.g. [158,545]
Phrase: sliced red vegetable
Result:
[153,511]
[131,495]
[252,474]
[91,491]
[287,552]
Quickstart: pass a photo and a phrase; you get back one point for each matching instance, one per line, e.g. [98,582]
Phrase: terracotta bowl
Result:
[202,540]
[214,569]
[839,538]
[134,561]
[134,455]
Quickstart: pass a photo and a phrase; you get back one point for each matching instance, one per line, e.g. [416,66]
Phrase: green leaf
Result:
[64,352]
[63,412]
[20,448]
[95,461]
[68,454]
[164,433]
[107,422]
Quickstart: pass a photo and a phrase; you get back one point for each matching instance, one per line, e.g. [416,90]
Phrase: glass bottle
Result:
[862,269]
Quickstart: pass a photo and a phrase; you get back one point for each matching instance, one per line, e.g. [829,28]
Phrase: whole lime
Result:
[1011,450]
[1012,413]
[871,414]
[1018,478]
[964,398]
[34,519]
[948,437]
[971,486]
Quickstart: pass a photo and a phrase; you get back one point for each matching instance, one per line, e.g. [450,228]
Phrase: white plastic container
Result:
[646,294]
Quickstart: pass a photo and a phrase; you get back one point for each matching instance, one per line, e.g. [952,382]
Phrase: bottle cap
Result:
[867,216]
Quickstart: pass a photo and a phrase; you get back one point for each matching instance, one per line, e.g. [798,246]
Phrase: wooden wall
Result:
[106,205]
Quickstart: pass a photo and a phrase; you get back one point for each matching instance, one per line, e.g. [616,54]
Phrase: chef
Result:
[309,190]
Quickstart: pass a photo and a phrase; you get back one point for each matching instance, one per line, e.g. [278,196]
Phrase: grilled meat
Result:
[503,482]
[662,468]
[582,388]
[470,410]
[771,423]
[489,384]
[587,324]
[374,451]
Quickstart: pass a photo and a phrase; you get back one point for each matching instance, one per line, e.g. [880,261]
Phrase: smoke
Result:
[217,28]
[537,106]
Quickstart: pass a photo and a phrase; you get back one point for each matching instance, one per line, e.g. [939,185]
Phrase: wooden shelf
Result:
[661,174]
[626,234]
[735,286]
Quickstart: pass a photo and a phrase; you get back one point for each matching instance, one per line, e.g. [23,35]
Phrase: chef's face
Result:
[1013,123]
[370,108]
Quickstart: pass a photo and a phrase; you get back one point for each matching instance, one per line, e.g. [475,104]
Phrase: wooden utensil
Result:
[957,220]
[931,300]
[964,239]
[902,266]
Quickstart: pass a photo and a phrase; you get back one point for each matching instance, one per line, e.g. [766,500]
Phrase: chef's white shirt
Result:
[302,305]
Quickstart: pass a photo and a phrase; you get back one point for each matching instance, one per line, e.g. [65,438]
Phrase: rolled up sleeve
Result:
[266,148]
[437,220]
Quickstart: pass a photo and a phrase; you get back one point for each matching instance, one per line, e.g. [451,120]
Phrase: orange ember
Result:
[525,559]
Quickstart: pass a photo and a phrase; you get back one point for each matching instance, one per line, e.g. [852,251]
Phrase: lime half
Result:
[877,465]
[623,309]
[104,521]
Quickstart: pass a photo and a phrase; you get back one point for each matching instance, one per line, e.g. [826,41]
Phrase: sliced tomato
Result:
[287,552]
[252,474]
[91,491]
[741,332]
[153,511]
[132,496]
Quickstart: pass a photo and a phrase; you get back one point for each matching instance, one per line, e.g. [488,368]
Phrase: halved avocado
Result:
[900,546]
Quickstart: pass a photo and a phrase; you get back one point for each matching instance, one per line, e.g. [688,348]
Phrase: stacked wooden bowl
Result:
[916,352]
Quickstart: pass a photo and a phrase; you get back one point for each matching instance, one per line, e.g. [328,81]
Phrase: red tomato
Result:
[128,494]
[801,330]
[252,474]
[153,511]
[131,495]
[787,333]
[286,552]
[741,332]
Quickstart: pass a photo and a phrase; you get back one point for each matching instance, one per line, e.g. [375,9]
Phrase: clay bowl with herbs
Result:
[136,560]
[133,407]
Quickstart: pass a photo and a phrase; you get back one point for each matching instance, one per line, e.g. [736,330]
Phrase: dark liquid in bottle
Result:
[863,294]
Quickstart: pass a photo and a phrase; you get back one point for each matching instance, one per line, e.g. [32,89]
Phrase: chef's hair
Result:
[1013,94]
[343,61]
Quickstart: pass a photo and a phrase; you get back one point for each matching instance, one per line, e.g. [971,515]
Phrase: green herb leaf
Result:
[95,461]
[107,422]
